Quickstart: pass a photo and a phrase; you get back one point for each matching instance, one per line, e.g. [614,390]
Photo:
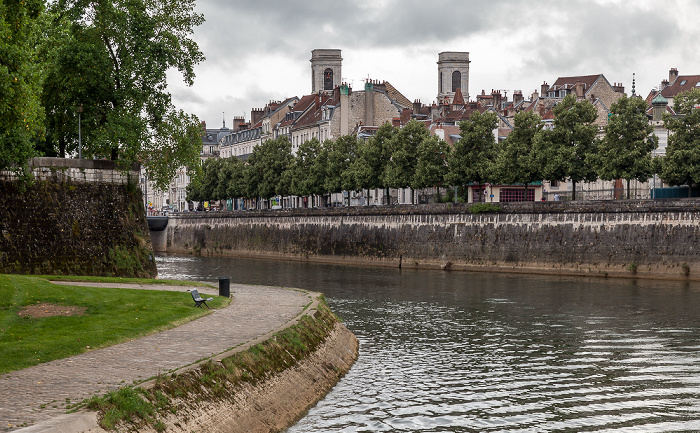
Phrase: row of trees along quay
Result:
[106,61]
[412,158]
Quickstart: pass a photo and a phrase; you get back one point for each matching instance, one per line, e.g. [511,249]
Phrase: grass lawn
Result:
[109,316]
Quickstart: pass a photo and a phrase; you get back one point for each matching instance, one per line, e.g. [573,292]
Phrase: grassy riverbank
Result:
[41,321]
[171,399]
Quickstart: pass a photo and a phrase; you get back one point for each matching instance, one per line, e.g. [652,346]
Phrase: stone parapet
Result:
[643,238]
[79,170]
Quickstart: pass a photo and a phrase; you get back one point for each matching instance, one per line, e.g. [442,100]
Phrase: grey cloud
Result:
[598,37]
[296,27]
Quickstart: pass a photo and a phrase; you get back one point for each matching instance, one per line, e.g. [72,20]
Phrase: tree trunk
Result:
[573,190]
[388,197]
[628,189]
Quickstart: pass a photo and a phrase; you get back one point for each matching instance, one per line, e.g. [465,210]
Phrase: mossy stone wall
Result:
[74,228]
[651,238]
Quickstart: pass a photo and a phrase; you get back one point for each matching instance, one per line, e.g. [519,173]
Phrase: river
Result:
[493,352]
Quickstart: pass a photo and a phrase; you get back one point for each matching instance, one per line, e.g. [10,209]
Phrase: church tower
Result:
[453,74]
[325,70]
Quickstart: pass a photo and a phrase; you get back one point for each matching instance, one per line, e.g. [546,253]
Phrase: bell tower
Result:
[325,70]
[453,73]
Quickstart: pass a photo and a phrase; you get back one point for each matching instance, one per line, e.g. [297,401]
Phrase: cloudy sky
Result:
[258,51]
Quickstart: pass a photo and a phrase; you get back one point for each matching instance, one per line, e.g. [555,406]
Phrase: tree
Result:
[309,169]
[472,159]
[625,151]
[232,178]
[340,155]
[401,168]
[268,162]
[516,160]
[133,44]
[566,150]
[372,158]
[206,186]
[431,163]
[21,116]
[681,165]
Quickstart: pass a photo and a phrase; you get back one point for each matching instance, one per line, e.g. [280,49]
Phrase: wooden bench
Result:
[198,300]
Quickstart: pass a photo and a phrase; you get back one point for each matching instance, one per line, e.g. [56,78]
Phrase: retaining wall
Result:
[80,217]
[652,238]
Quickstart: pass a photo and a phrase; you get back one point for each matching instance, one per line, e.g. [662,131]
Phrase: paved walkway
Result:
[37,394]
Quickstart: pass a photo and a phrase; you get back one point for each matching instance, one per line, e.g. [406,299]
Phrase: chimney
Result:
[237,122]
[534,96]
[664,84]
[579,89]
[417,106]
[496,95]
[517,97]
[344,110]
[544,89]
[369,103]
[619,88]
[672,75]
[255,115]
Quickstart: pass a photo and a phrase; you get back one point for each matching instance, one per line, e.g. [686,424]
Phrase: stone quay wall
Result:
[78,217]
[653,238]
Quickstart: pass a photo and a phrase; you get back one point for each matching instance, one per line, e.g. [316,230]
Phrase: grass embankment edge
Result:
[135,408]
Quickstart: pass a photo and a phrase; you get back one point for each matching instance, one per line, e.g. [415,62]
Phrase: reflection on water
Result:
[481,352]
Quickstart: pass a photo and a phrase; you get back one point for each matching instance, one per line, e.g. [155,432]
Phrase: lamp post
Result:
[80,141]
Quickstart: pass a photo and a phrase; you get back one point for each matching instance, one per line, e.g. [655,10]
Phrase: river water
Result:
[489,352]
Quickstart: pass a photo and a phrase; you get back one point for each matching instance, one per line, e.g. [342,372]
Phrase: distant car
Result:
[276,207]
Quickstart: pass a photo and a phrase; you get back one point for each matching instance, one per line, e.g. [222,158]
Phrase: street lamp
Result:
[80,142]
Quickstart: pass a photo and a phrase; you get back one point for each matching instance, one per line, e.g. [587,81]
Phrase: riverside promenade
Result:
[35,399]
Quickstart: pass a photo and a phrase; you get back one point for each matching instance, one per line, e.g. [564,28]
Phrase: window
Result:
[328,79]
[456,80]
[554,184]
[516,194]
[683,82]
[440,81]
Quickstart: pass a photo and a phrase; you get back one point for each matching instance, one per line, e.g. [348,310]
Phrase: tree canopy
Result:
[516,159]
[21,115]
[565,151]
[625,151]
[472,158]
[106,59]
[681,165]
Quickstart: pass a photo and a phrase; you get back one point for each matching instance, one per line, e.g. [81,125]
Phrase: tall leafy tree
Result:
[268,163]
[340,155]
[472,159]
[21,116]
[431,163]
[516,159]
[681,165]
[373,155]
[566,150]
[134,44]
[309,169]
[232,178]
[401,168]
[625,151]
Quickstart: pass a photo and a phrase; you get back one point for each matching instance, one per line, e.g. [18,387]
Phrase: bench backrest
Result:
[195,295]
